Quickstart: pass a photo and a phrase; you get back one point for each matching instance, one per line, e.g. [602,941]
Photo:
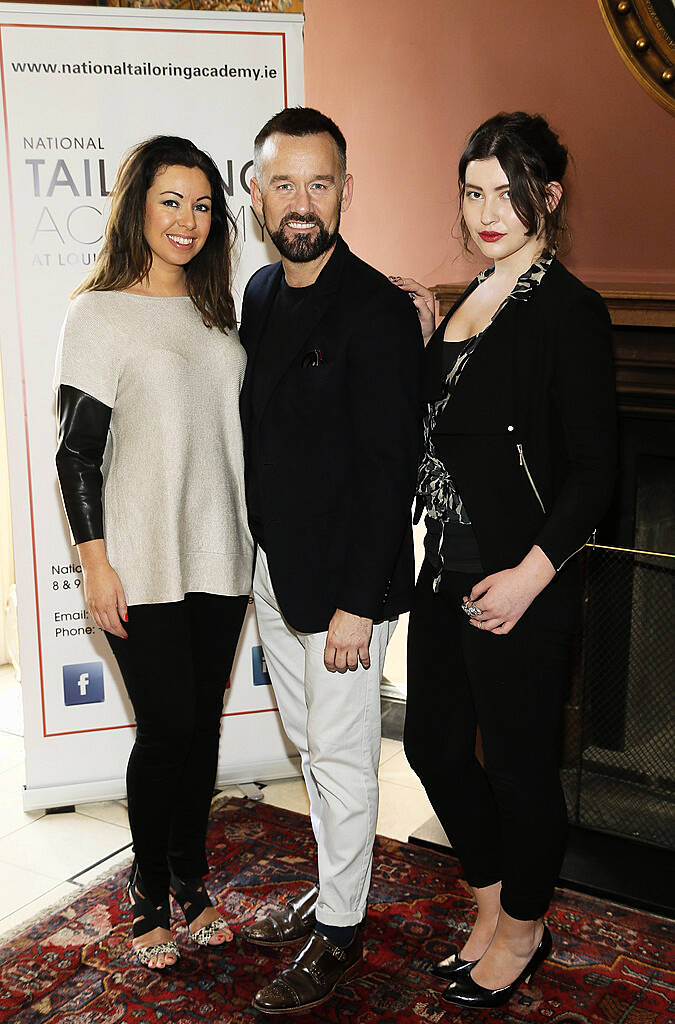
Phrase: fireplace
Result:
[618,760]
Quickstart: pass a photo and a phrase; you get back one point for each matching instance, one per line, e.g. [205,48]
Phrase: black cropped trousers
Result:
[175,665]
[506,819]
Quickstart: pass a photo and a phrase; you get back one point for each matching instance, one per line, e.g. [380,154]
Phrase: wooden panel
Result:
[629,306]
[643,339]
[640,306]
[645,371]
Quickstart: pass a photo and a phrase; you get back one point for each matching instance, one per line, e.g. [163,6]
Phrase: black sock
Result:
[338,936]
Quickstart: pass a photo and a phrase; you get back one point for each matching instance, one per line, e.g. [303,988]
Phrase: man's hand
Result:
[347,642]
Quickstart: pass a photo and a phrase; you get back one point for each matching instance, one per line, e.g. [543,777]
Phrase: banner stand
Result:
[79,87]
[69,795]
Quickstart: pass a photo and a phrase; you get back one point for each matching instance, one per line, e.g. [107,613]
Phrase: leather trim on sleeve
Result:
[83,432]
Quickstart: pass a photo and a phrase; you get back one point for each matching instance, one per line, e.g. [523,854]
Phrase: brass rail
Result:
[630,551]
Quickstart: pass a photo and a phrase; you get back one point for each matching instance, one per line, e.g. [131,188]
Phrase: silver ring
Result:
[472,610]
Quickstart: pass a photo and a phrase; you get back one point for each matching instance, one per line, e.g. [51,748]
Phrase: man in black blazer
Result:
[330,412]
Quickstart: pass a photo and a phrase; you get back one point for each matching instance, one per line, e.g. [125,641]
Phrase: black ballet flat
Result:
[451,967]
[464,991]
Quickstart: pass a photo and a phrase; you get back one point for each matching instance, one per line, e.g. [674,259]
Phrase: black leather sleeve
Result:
[83,431]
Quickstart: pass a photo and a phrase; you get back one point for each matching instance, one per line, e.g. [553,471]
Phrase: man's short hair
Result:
[299,121]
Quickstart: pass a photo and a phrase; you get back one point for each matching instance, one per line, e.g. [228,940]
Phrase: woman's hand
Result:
[103,589]
[505,596]
[424,301]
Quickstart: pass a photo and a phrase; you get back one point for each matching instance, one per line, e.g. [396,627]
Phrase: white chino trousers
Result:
[334,721]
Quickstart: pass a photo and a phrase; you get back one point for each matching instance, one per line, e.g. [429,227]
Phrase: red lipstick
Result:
[491,236]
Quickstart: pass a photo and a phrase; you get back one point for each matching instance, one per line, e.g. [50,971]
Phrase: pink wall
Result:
[407,80]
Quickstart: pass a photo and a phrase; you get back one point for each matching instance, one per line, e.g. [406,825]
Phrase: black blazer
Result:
[339,444]
[529,435]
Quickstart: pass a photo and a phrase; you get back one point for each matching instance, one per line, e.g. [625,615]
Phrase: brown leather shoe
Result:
[287,926]
[312,977]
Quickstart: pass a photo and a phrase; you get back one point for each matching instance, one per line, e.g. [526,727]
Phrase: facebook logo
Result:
[261,676]
[83,684]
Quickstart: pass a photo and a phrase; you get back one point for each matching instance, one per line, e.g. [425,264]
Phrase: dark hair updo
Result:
[531,155]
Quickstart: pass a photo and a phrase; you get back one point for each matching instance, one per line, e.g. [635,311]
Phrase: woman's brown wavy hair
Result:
[125,257]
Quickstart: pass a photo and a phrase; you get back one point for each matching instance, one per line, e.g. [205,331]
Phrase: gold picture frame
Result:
[643,32]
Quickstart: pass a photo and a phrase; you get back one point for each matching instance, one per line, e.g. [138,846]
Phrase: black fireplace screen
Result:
[619,764]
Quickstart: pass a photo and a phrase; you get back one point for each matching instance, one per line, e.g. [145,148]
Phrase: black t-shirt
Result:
[274,355]
[459,549]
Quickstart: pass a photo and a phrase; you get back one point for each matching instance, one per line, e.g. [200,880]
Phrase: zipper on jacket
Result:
[574,553]
[523,463]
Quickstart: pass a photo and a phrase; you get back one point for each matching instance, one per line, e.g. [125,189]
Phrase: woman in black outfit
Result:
[517,470]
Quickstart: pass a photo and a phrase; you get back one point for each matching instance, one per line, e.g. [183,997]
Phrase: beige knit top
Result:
[173,470]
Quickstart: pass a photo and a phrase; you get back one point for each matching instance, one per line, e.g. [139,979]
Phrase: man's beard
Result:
[304,248]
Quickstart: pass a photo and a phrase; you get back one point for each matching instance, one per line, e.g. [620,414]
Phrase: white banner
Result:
[79,87]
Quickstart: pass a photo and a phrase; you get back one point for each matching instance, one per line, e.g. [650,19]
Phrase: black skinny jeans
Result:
[507,821]
[175,665]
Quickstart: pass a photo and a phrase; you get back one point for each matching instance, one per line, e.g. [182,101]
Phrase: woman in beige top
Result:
[150,464]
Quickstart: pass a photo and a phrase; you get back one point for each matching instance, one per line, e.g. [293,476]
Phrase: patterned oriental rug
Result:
[609,965]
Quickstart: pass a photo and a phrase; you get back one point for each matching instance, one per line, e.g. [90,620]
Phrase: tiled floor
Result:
[44,857]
